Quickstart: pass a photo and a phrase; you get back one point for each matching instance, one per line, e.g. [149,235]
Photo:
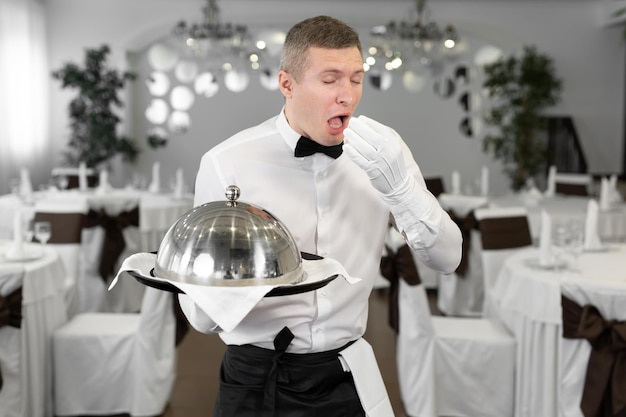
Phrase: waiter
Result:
[332,178]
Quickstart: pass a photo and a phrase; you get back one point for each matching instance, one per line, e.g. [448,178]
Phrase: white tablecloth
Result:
[527,300]
[157,212]
[43,311]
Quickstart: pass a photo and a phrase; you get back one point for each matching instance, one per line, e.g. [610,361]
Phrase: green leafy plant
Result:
[519,89]
[94,139]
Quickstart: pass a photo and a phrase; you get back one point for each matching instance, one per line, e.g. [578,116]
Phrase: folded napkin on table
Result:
[484,181]
[155,185]
[104,187]
[551,182]
[17,247]
[615,196]
[605,194]
[82,177]
[225,305]
[26,186]
[456,182]
[179,185]
[591,238]
[545,244]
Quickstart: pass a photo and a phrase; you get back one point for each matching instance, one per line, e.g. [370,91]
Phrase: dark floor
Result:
[199,358]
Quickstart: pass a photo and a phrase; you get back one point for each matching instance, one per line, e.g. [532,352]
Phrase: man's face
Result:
[319,105]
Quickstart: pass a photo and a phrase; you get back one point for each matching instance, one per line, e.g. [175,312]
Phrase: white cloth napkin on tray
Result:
[227,305]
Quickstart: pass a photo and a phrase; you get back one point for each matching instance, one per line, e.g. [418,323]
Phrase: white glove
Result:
[377,149]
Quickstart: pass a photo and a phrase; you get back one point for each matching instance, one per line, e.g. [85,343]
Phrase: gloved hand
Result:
[377,149]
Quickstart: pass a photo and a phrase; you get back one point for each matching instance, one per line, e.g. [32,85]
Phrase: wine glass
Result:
[560,239]
[575,243]
[43,232]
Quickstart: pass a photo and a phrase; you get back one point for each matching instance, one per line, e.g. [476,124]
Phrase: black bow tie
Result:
[307,147]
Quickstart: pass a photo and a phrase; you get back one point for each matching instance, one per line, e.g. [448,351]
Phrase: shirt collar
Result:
[288,134]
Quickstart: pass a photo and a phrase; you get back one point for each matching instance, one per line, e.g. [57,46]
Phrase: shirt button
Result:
[317,330]
[323,293]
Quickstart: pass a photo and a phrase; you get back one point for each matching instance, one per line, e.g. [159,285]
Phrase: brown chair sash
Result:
[66,227]
[571,189]
[72,181]
[11,313]
[466,225]
[11,309]
[604,394]
[434,185]
[392,267]
[113,244]
[504,232]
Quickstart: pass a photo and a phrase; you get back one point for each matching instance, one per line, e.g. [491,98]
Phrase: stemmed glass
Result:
[43,232]
[575,243]
[560,242]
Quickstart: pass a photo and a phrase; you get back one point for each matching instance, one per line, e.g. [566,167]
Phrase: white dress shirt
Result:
[332,210]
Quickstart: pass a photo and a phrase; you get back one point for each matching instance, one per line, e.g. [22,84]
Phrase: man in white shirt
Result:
[335,205]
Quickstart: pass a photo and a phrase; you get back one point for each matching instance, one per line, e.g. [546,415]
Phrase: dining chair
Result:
[573,184]
[461,293]
[503,231]
[66,221]
[114,363]
[72,176]
[11,341]
[447,366]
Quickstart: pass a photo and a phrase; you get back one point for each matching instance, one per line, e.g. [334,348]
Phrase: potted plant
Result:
[519,87]
[94,139]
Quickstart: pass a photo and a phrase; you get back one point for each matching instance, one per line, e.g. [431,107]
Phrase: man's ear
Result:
[285,83]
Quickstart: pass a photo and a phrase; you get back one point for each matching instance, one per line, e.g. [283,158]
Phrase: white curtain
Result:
[24,84]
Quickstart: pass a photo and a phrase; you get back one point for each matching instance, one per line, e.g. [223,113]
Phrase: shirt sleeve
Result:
[426,226]
[210,184]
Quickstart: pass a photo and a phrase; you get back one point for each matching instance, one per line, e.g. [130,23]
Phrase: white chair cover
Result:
[462,294]
[109,363]
[66,221]
[493,259]
[461,367]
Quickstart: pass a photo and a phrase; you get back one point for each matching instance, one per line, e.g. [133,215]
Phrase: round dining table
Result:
[527,299]
[26,352]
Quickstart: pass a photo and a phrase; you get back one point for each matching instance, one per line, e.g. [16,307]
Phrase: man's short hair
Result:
[319,31]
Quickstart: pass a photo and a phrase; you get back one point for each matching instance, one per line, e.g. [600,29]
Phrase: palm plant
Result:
[519,89]
[94,138]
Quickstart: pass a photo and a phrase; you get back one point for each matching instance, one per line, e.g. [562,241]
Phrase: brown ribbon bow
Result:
[604,394]
[393,267]
[11,313]
[113,244]
[466,224]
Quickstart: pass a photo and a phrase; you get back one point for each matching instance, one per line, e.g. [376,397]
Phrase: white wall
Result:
[588,56]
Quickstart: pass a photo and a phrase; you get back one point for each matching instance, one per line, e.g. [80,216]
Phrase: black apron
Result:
[257,382]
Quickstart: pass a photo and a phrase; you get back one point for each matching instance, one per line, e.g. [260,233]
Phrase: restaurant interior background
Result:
[580,36]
